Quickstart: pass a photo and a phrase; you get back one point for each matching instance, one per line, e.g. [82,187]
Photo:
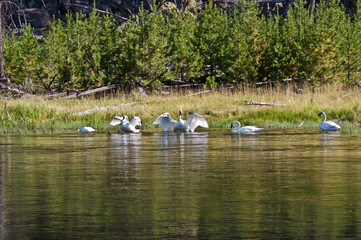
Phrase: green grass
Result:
[219,108]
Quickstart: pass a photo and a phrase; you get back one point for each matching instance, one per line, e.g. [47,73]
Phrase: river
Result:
[278,184]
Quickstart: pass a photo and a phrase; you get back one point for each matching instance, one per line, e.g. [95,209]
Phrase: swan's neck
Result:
[238,126]
[125,120]
[324,117]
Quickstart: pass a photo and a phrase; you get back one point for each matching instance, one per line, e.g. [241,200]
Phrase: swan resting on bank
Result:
[87,130]
[244,130]
[127,126]
[328,125]
[169,124]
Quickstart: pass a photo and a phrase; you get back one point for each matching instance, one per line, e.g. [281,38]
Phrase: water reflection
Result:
[182,145]
[126,149]
[247,140]
[330,142]
[204,185]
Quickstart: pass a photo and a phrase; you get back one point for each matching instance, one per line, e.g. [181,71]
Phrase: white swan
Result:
[244,130]
[87,130]
[168,124]
[127,126]
[328,125]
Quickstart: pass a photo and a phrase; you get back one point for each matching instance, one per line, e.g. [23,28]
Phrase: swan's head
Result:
[180,112]
[125,119]
[321,113]
[234,123]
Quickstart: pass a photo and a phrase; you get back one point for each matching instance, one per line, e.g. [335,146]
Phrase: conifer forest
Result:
[211,46]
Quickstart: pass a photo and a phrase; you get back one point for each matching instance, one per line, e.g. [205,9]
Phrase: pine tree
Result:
[240,60]
[349,48]
[327,20]
[21,55]
[253,27]
[212,38]
[182,49]
[301,39]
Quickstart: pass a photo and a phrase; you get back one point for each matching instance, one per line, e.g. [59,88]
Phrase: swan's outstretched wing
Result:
[135,121]
[116,120]
[196,120]
[165,121]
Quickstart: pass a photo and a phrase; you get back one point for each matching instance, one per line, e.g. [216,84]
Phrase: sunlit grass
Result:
[219,108]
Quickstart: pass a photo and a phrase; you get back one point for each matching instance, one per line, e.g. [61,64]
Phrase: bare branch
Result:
[264,104]
[19,10]
[7,112]
[98,10]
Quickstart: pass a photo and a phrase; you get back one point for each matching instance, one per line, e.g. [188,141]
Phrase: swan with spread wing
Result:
[169,124]
[127,126]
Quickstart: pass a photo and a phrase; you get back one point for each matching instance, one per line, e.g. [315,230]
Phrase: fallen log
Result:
[208,91]
[188,85]
[271,81]
[56,95]
[7,86]
[346,95]
[80,94]
[104,108]
[265,104]
[90,111]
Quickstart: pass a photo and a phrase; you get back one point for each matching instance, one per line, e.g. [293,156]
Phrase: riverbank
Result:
[220,108]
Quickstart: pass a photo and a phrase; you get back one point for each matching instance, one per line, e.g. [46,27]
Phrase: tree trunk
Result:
[2,73]
[312,8]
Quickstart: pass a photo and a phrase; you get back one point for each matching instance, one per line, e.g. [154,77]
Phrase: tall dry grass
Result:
[219,108]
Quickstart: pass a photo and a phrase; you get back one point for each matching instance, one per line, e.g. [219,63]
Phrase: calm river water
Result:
[279,184]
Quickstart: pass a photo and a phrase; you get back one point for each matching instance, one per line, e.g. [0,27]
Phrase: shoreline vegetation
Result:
[209,47]
[219,108]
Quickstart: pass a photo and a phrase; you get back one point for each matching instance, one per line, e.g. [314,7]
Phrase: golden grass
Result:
[219,108]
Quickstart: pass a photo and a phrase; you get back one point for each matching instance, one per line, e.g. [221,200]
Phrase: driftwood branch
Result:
[265,104]
[56,95]
[7,113]
[90,111]
[81,94]
[184,85]
[270,81]
[98,10]
[208,91]
[346,95]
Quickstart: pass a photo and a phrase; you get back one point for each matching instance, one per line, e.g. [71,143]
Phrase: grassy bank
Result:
[219,108]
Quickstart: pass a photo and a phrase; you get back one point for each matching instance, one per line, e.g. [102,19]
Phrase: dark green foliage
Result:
[212,40]
[164,44]
[247,43]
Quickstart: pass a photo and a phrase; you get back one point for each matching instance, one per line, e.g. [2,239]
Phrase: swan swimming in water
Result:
[244,130]
[128,127]
[168,124]
[328,125]
[87,130]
